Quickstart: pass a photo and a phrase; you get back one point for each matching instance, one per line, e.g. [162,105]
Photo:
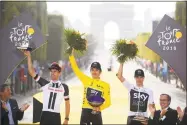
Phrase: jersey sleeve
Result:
[107,97]
[151,97]
[40,80]
[76,70]
[66,92]
[128,85]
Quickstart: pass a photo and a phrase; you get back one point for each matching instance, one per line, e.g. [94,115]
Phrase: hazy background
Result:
[135,21]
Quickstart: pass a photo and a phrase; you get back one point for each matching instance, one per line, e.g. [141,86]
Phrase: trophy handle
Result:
[94,112]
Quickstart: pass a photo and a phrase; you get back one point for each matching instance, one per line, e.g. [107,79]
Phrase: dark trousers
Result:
[50,118]
[130,121]
[87,117]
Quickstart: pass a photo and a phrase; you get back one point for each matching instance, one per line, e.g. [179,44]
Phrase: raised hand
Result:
[152,110]
[180,113]
[24,107]
[163,112]
[26,53]
[4,106]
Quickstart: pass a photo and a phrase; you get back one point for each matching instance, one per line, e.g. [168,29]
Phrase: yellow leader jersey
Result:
[91,86]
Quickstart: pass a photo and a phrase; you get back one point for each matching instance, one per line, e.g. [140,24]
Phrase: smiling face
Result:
[95,70]
[95,73]
[6,93]
[55,74]
[164,101]
[139,80]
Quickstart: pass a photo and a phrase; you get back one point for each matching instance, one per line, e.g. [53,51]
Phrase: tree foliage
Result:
[55,40]
[50,24]
[75,40]
[180,12]
[41,18]
[143,51]
[12,9]
[124,50]
[38,11]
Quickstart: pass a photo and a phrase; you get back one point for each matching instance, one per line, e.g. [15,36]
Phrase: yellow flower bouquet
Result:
[75,40]
[124,50]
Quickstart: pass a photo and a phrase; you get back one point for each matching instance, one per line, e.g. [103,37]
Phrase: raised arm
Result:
[122,79]
[32,72]
[30,66]
[107,98]
[120,73]
[76,69]
[153,119]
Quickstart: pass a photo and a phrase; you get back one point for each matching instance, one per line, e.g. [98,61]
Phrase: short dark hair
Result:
[96,65]
[3,86]
[56,66]
[168,96]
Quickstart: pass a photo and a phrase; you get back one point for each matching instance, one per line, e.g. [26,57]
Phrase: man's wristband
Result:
[36,76]
[67,119]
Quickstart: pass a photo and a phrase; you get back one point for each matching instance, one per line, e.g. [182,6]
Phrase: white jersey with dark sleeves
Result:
[139,99]
[54,92]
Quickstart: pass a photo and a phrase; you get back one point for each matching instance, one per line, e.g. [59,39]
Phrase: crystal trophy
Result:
[139,116]
[95,101]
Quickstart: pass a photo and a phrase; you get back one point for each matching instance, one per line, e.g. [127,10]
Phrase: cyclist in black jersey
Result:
[53,94]
[139,96]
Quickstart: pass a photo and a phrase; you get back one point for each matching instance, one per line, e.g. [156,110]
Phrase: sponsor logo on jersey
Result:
[93,92]
[141,96]
[138,101]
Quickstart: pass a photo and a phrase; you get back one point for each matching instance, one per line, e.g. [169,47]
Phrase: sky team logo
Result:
[21,35]
[168,38]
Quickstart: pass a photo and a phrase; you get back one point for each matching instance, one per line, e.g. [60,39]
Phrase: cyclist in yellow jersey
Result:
[92,85]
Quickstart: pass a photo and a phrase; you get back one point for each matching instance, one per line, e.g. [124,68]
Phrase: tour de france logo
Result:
[21,35]
[168,39]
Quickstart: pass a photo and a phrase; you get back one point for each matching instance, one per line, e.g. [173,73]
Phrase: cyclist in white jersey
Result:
[139,96]
[54,92]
